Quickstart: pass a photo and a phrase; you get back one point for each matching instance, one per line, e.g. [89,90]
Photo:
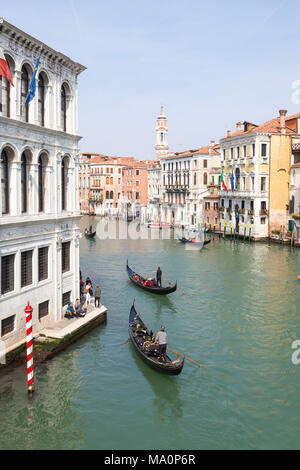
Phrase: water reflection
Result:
[47,420]
[166,390]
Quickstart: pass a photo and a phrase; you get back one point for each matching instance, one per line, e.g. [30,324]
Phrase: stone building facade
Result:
[39,206]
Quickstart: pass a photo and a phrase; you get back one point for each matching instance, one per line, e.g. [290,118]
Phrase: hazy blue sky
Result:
[210,63]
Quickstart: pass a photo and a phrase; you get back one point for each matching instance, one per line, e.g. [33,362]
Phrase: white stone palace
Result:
[39,207]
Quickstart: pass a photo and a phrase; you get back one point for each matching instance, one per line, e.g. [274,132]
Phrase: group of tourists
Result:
[150,282]
[86,294]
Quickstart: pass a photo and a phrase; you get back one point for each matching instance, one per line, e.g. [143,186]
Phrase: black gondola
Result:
[141,339]
[90,235]
[153,289]
[186,240]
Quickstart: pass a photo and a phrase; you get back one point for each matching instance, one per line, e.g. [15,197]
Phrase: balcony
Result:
[177,188]
[242,210]
[95,199]
[243,194]
[250,212]
[264,212]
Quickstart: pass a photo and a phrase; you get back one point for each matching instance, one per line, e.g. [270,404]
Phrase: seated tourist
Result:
[70,311]
[79,309]
[148,282]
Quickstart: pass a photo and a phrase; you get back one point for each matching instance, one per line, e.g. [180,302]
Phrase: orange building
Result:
[135,187]
[105,183]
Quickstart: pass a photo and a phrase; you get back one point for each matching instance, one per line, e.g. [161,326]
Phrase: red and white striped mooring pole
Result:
[29,344]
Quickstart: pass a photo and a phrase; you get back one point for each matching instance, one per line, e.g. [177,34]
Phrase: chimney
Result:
[282,114]
[212,143]
[238,126]
[228,133]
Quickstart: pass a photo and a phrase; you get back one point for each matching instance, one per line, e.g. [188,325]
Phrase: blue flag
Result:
[32,86]
[232,181]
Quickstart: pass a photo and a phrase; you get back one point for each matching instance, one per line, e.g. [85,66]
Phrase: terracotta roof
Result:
[205,150]
[269,127]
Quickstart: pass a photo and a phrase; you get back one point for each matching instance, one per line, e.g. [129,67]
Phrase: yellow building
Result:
[257,159]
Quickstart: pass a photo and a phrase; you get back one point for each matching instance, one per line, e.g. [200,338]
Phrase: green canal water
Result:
[238,317]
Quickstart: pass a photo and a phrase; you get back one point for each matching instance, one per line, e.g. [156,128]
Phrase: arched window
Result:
[41,101]
[24,91]
[4,182]
[41,184]
[107,195]
[63,108]
[23,183]
[64,175]
[205,178]
[111,195]
[5,90]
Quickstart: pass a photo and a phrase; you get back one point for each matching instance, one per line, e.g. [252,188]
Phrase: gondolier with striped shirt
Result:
[161,339]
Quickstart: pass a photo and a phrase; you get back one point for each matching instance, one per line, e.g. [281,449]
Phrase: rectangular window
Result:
[263,183]
[216,206]
[137,172]
[244,150]
[252,205]
[231,153]
[137,183]
[7,325]
[253,150]
[65,252]
[66,298]
[238,152]
[230,203]
[243,204]
[137,196]
[26,268]
[7,274]
[43,309]
[263,150]
[224,154]
[207,206]
[43,263]
[204,163]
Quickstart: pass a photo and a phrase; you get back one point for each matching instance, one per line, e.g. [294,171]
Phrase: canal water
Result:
[238,317]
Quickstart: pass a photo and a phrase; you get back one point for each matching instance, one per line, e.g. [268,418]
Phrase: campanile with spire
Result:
[161,147]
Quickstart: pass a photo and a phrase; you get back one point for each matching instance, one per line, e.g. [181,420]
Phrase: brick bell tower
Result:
[161,146]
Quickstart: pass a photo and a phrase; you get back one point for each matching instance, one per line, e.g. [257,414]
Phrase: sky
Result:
[211,64]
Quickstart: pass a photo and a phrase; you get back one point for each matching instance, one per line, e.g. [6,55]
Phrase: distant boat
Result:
[90,235]
[159,226]
[194,241]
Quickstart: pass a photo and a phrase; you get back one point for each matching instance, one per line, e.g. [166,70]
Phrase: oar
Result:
[197,363]
[170,284]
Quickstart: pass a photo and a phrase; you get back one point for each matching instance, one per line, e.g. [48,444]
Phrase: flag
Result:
[32,86]
[232,181]
[4,68]
[222,181]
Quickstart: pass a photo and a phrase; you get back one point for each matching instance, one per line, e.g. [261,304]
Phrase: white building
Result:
[39,207]
[153,213]
[185,182]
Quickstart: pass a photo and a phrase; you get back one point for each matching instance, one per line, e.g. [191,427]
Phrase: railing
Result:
[264,212]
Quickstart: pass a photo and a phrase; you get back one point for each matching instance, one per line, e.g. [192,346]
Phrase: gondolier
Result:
[161,339]
[158,276]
